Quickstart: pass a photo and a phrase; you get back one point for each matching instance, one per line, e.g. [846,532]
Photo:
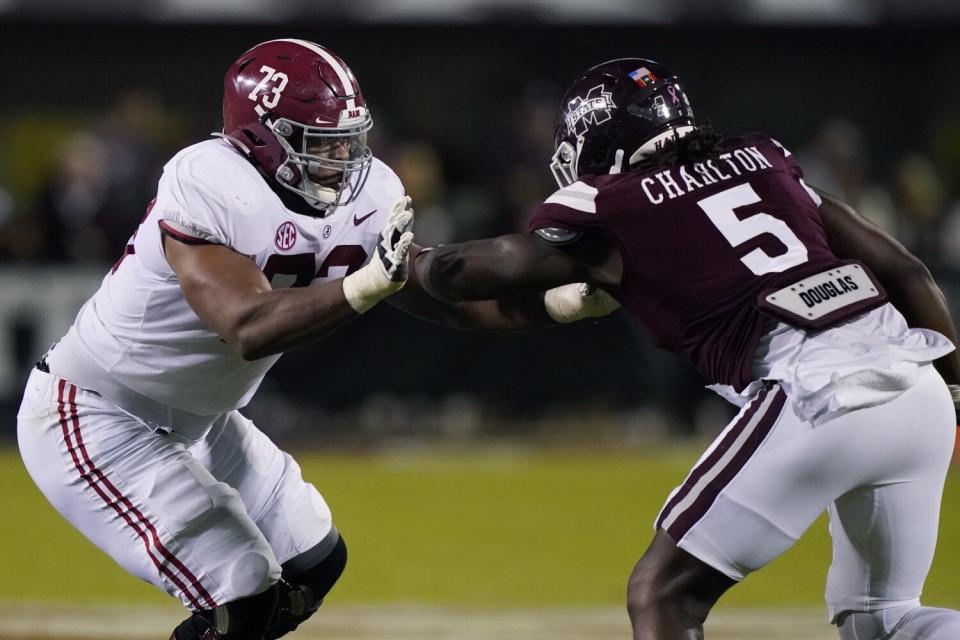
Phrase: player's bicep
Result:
[528,262]
[218,283]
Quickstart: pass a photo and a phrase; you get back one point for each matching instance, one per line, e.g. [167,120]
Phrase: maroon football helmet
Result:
[617,113]
[296,110]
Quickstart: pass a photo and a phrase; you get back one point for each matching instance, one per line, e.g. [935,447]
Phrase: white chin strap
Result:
[617,165]
[650,146]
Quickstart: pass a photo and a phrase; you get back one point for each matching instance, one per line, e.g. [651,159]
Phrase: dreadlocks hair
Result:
[700,145]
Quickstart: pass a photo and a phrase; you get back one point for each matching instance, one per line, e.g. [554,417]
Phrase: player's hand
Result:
[387,272]
[395,240]
[577,301]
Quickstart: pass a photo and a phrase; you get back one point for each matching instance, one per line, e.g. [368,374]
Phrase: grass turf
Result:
[495,528]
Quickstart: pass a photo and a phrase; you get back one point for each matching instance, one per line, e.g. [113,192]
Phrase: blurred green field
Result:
[493,528]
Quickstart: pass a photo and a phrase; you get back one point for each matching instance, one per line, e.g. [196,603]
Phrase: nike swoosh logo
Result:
[358,220]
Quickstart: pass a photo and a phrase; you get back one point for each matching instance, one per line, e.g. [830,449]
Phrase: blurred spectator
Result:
[63,224]
[837,162]
[949,239]
[7,217]
[919,197]
[421,170]
[447,210]
[519,156]
[132,131]
[89,204]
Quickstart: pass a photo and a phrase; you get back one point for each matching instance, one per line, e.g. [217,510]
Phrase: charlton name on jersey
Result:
[676,182]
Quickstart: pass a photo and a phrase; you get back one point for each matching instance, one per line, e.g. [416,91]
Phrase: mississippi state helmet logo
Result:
[286,236]
[593,109]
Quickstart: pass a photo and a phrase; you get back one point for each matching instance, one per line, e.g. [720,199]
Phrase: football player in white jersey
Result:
[129,424]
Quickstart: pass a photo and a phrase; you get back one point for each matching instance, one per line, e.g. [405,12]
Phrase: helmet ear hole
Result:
[248,135]
[259,135]
[267,152]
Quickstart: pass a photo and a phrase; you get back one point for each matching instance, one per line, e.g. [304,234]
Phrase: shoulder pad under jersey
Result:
[557,236]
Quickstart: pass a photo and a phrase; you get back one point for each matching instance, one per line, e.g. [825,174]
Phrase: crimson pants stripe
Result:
[149,525]
[89,477]
[122,505]
[705,483]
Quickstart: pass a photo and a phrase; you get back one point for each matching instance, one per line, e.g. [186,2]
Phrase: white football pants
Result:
[878,471]
[208,521]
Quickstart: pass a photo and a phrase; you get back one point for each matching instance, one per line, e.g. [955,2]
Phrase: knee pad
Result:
[324,574]
[253,571]
[301,592]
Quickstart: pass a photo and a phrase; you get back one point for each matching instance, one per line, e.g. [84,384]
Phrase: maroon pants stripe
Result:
[122,506]
[698,472]
[759,427]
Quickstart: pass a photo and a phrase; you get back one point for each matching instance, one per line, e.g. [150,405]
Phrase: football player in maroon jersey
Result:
[834,340]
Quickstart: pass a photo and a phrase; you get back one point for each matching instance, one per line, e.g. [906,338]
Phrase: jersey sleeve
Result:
[192,202]
[572,208]
[794,168]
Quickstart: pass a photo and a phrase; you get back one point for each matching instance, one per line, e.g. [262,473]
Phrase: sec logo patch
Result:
[286,236]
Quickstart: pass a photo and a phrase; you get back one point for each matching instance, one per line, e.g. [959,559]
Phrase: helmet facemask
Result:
[326,166]
[563,164]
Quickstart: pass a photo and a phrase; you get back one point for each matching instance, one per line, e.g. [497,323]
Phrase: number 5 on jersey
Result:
[720,209]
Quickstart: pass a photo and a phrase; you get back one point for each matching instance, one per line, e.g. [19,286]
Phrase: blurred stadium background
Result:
[489,486]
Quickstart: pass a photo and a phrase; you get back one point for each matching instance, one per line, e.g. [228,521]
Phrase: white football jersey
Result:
[139,331]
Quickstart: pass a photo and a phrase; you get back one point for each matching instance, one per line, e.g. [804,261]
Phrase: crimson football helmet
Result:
[296,110]
[617,113]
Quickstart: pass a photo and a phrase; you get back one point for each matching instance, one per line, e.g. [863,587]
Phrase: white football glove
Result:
[578,300]
[386,273]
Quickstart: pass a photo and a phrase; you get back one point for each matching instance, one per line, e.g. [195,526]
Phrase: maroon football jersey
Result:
[700,243]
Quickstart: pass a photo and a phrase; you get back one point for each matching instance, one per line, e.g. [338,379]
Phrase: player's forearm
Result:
[523,312]
[513,264]
[498,284]
[275,321]
[906,279]
[456,273]
[520,312]
[916,295]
